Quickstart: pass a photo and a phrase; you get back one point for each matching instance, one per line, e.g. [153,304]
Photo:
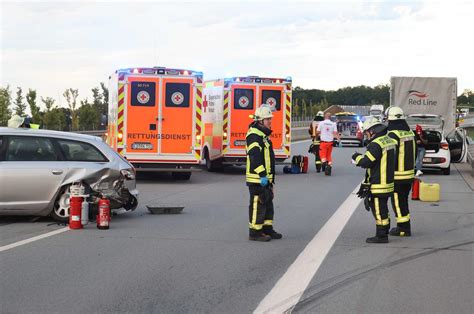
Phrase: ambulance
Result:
[227,105]
[155,118]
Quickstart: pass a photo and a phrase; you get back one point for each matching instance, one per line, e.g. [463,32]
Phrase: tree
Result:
[53,118]
[5,102]
[89,117]
[71,97]
[20,106]
[35,110]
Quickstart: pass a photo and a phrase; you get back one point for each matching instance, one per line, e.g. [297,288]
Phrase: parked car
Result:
[441,150]
[37,167]
[349,128]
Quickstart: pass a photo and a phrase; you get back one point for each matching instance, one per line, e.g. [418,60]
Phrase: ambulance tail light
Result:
[120,136]
[198,138]
[287,137]
[225,135]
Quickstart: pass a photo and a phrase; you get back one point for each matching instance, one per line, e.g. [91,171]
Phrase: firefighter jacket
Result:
[379,160]
[313,132]
[405,155]
[260,155]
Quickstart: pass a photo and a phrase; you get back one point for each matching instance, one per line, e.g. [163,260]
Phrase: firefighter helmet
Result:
[320,114]
[371,122]
[394,113]
[263,112]
[16,121]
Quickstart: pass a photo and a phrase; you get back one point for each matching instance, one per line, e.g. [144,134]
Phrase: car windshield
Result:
[347,118]
[427,121]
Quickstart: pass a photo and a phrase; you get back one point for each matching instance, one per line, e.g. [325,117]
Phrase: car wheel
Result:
[446,171]
[60,210]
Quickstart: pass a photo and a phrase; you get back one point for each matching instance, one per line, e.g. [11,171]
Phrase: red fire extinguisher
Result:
[75,207]
[103,216]
[415,193]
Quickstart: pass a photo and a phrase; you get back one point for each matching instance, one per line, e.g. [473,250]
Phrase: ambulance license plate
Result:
[144,146]
[427,160]
[240,143]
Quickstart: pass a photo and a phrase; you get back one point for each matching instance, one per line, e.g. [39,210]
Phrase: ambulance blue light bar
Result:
[256,79]
[160,70]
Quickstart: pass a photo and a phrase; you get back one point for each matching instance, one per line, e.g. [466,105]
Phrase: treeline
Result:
[78,115]
[307,102]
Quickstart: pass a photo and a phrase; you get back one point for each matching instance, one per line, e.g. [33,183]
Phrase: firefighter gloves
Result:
[263,181]
[364,190]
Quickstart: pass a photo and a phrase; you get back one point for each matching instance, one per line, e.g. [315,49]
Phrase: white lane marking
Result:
[290,287]
[33,239]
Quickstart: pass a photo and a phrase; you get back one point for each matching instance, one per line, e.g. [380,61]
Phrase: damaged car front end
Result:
[39,166]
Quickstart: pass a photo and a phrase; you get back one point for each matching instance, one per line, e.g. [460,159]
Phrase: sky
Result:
[51,46]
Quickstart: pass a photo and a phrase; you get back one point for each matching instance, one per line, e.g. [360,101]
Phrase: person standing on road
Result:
[327,131]
[260,176]
[399,130]
[421,142]
[378,186]
[314,148]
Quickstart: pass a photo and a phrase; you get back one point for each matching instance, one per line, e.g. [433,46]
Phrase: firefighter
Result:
[260,176]
[314,147]
[379,160]
[327,131]
[21,122]
[399,130]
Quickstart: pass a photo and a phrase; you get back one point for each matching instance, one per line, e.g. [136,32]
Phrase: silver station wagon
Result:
[37,167]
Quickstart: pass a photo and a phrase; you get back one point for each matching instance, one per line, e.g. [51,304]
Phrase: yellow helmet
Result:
[394,113]
[370,122]
[262,112]
[16,121]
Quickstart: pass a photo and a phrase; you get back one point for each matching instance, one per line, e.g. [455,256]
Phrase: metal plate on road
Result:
[164,209]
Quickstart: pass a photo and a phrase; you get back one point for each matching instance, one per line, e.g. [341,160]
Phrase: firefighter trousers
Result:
[400,204]
[260,208]
[325,151]
[379,208]
[317,159]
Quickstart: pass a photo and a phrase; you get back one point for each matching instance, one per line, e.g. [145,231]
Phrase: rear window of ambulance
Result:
[177,95]
[243,99]
[272,98]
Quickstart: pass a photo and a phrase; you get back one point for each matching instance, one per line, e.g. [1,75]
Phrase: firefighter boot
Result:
[268,230]
[257,235]
[318,168]
[327,171]
[401,230]
[323,166]
[380,236]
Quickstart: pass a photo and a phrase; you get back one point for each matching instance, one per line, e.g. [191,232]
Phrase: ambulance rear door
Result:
[177,116]
[273,95]
[242,104]
[141,129]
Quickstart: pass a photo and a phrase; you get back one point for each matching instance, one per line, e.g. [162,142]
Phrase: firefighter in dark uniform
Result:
[399,130]
[378,186]
[260,176]
[316,142]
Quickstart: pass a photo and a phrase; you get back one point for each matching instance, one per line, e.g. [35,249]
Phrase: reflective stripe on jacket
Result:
[405,155]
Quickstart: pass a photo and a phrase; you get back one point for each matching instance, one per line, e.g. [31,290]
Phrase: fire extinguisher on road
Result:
[75,205]
[103,215]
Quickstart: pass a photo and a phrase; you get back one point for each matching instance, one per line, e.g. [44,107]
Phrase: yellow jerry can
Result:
[429,192]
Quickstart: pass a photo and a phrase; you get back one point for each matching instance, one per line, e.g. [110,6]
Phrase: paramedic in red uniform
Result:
[327,131]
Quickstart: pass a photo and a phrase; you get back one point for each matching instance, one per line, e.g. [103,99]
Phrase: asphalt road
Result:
[201,260]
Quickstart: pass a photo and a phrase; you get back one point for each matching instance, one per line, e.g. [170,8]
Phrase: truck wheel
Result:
[447,171]
[60,210]
[209,164]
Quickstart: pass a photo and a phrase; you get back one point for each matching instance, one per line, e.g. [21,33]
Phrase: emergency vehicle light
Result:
[135,71]
[225,135]
[287,136]
[161,71]
[186,72]
[120,136]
